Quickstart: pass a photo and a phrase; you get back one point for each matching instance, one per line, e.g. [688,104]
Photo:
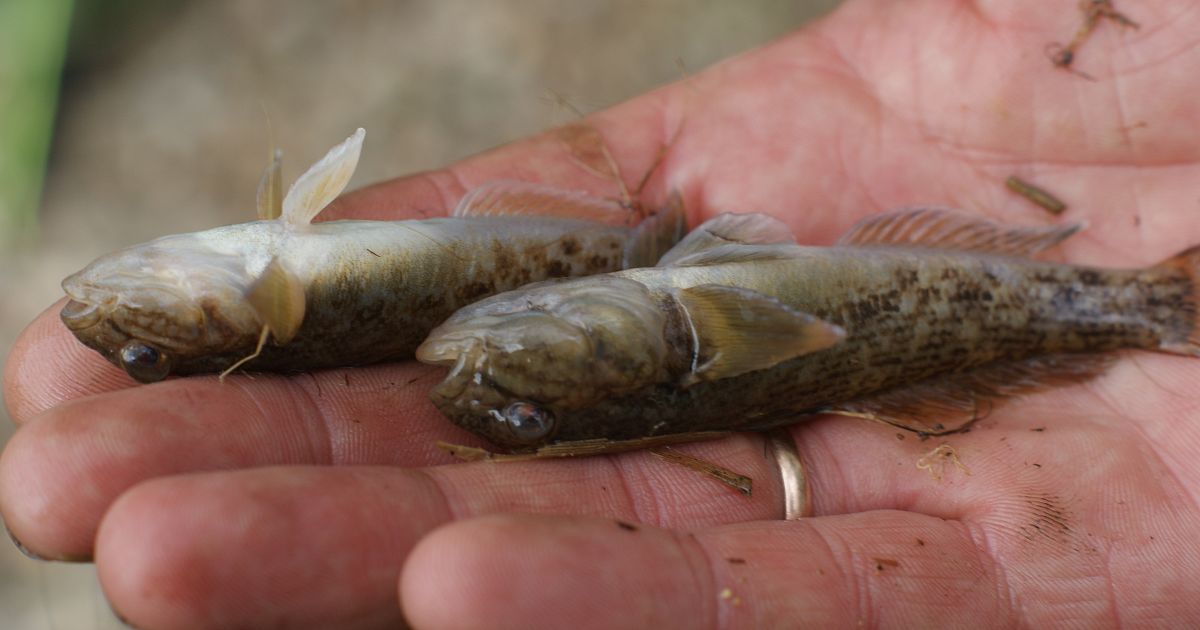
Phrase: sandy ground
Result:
[165,132]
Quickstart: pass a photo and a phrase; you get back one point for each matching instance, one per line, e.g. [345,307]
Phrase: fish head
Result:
[520,361]
[151,306]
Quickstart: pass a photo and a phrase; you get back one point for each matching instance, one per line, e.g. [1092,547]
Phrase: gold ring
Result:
[797,495]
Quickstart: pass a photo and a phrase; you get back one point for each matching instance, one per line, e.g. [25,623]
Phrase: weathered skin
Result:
[373,289]
[910,314]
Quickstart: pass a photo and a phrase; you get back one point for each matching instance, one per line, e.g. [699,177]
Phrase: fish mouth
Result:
[442,351]
[466,388]
[79,315]
[456,338]
[454,353]
[88,305]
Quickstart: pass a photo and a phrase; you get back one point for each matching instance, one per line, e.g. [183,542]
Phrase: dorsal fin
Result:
[737,330]
[589,150]
[270,189]
[948,403]
[506,197]
[939,228]
[323,181]
[725,229]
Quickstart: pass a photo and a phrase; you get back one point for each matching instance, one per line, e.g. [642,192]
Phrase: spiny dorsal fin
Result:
[737,330]
[949,229]
[277,297]
[948,403]
[322,182]
[505,197]
[270,189]
[728,228]
[656,234]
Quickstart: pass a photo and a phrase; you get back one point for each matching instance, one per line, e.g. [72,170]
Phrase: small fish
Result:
[922,319]
[339,293]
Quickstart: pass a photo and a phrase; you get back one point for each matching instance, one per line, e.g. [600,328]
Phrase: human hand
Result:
[320,499]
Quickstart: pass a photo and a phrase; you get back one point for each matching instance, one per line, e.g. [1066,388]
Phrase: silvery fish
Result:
[339,293]
[922,319]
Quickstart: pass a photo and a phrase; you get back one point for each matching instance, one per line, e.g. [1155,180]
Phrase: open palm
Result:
[320,499]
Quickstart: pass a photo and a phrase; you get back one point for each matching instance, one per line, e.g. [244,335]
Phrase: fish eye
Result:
[144,363]
[527,423]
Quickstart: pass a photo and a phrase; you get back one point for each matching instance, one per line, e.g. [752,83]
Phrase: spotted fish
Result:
[292,295]
[922,319]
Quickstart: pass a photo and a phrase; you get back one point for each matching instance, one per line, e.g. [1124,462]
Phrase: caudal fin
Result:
[1185,267]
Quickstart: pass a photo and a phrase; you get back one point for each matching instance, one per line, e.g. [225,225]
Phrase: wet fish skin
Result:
[285,294]
[911,315]
[373,289]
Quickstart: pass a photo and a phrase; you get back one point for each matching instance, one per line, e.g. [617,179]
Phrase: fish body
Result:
[336,293]
[917,331]
[373,289]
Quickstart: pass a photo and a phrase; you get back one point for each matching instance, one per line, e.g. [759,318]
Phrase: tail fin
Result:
[1185,266]
[656,234]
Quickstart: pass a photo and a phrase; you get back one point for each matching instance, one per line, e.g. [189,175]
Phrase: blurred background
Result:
[123,120]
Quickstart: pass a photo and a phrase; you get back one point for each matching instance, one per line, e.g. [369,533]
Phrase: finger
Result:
[59,474]
[436,496]
[632,133]
[48,365]
[888,569]
[324,546]
[281,547]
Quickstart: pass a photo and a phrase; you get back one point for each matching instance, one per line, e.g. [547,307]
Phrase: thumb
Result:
[606,155]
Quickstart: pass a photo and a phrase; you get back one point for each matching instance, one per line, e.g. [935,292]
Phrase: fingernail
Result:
[25,551]
[21,547]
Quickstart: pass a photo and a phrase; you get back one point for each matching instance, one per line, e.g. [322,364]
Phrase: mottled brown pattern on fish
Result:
[380,306]
[329,337]
[909,314]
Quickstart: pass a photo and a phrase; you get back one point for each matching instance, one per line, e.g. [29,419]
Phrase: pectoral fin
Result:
[726,229]
[278,299]
[950,403]
[270,189]
[737,331]
[938,228]
[323,181]
[656,234]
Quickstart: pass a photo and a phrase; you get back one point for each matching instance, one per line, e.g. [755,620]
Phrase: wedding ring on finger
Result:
[797,496]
